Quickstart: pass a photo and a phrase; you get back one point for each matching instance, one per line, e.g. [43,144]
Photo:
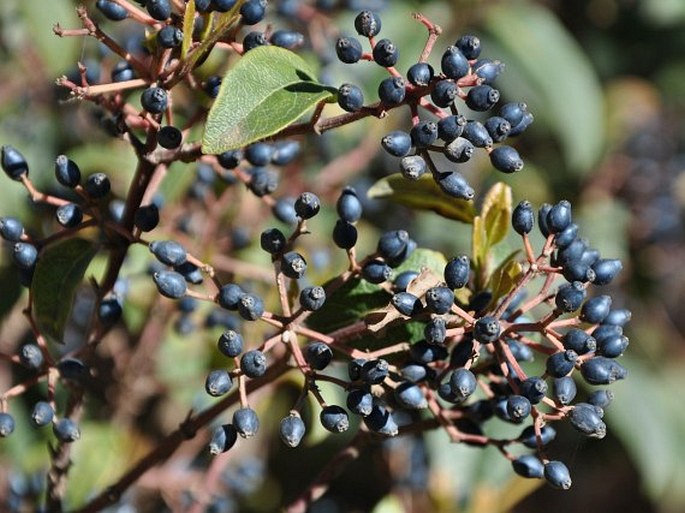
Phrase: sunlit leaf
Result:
[496,212]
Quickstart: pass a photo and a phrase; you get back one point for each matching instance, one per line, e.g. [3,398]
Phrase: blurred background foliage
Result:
[605,80]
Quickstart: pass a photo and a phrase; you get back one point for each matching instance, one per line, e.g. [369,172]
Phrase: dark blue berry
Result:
[360,401]
[498,128]
[211,87]
[459,150]
[66,430]
[350,98]
[416,372]
[561,363]
[168,252]
[263,181]
[565,238]
[318,355]
[253,363]
[253,40]
[170,36]
[454,64]
[154,100]
[587,419]
[579,341]
[109,311]
[424,134]
[218,382]
[69,215]
[348,206]
[530,439]
[381,421]
[601,398]
[374,372]
[122,71]
[482,97]
[6,424]
[391,244]
[397,143]
[170,284]
[284,210]
[13,162]
[223,5]
[569,297]
[293,265]
[147,218]
[486,329]
[259,153]
[97,185]
[67,172]
[348,50]
[285,152]
[522,218]
[402,280]
[439,300]
[272,240]
[334,419]
[169,137]
[534,389]
[606,270]
[230,159]
[435,331]
[230,343]
[617,317]
[289,39]
[451,127]
[542,219]
[344,234]
[367,23]
[385,53]
[454,184]
[190,272]
[223,438]
[376,271]
[596,309]
[312,298]
[470,46]
[246,422]
[518,407]
[522,125]
[463,383]
[571,253]
[559,217]
[413,167]
[612,346]
[25,255]
[111,10]
[253,11]
[488,70]
[292,430]
[477,134]
[557,475]
[203,6]
[158,9]
[307,205]
[444,93]
[528,465]
[410,396]
[354,368]
[420,74]
[391,91]
[11,229]
[406,303]
[521,352]
[513,112]
[457,272]
[250,307]
[506,159]
[42,414]
[601,370]
[31,357]
[423,352]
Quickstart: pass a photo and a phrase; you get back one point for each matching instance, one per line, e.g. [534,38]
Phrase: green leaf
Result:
[496,212]
[422,194]
[504,278]
[58,273]
[188,27]
[547,69]
[268,89]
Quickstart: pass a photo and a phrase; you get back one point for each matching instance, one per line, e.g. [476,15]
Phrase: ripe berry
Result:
[168,252]
[223,5]
[170,36]
[307,205]
[522,218]
[42,414]
[601,370]
[530,440]
[423,352]
[147,218]
[406,303]
[211,87]
[402,280]
[334,419]
[587,419]
[463,383]
[601,398]
[31,357]
[170,284]
[374,372]
[381,421]
[424,134]
[444,93]
[11,229]
[109,311]
[470,46]
[488,70]
[391,244]
[158,9]
[534,389]
[348,206]
[513,112]
[250,307]
[66,430]
[259,153]
[559,217]
[203,6]
[397,143]
[293,265]
[579,341]
[253,11]
[612,346]
[451,127]
[476,132]
[272,240]
[486,329]
[223,438]
[457,272]
[97,185]
[218,382]
[154,100]
[13,162]
[557,475]
[230,343]
[561,363]
[521,127]
[348,50]
[289,39]
[413,167]
[360,401]
[69,215]
[122,71]
[569,297]
[6,424]
[67,172]
[376,271]
[253,363]
[111,10]
[606,270]
[596,309]
[439,300]
[25,255]
[454,64]
[506,159]
[246,422]
[528,465]
[367,24]
[420,74]
[318,355]
[498,128]
[169,137]
[312,298]
[617,317]
[263,181]
[482,97]
[350,98]
[542,218]
[565,238]
[292,430]
[253,40]
[435,331]
[459,150]
[391,91]
[410,396]
[385,53]
[518,407]
[344,234]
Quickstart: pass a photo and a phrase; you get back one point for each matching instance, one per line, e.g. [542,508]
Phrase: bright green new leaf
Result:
[58,273]
[496,212]
[422,194]
[268,89]
[504,278]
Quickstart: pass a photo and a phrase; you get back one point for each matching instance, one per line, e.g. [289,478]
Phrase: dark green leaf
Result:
[268,89]
[422,194]
[58,273]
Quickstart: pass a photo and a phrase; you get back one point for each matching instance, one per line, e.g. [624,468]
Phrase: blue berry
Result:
[190,272]
[73,370]
[230,343]
[534,389]
[617,317]
[488,70]
[285,152]
[397,143]
[354,368]
[579,341]
[367,23]
[381,421]
[444,93]
[223,5]
[318,355]
[272,240]
[402,280]
[521,127]
[253,11]
[218,382]
[250,307]
[559,217]
[530,440]
[170,36]
[542,219]
[348,50]
[348,206]
[289,39]
[154,100]
[122,71]
[66,430]
[69,215]
[31,357]
[97,185]
[513,112]
[168,252]
[470,46]
[111,10]
[506,159]
[293,265]
[392,243]
[423,352]
[169,137]
[409,395]
[463,383]
[459,150]
[416,372]
[457,272]
[146,218]
[391,91]
[612,346]
[259,153]
[561,363]
[420,74]
[25,255]
[498,128]
[158,9]
[170,284]
[528,465]
[435,331]
[350,98]
[211,87]
[406,303]
[374,372]
[11,229]
[292,430]
[518,407]
[482,97]
[13,162]
[263,181]
[253,40]
[454,64]
[109,311]
[521,352]
[569,297]
[565,238]
[360,401]
[385,53]
[67,172]
[42,414]
[606,331]
[246,422]
[424,134]
[312,298]
[334,419]
[595,309]
[451,127]
[587,419]
[477,134]
[601,370]
[601,398]
[223,438]
[307,205]
[253,363]
[413,167]
[203,6]
[439,300]
[606,270]
[571,253]
[6,424]
[557,475]
[376,271]
[522,218]
[486,329]
[344,234]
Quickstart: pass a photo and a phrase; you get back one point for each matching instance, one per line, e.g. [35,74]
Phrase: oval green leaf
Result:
[422,194]
[496,212]
[58,273]
[268,89]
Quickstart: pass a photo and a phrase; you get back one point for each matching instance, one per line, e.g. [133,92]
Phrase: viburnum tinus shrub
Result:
[275,268]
